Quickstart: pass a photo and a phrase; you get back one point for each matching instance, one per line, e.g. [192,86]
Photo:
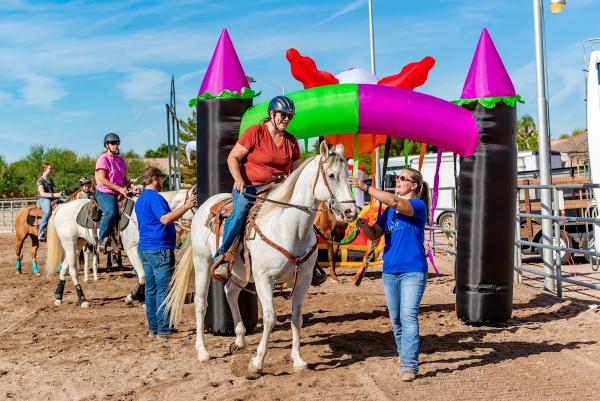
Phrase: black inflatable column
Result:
[218,126]
[223,98]
[487,190]
[486,219]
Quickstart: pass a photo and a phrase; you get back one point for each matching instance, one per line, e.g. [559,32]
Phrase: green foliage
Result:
[18,179]
[130,154]
[527,134]
[187,133]
[161,151]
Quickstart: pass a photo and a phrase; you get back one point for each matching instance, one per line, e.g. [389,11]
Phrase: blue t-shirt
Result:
[154,235]
[404,236]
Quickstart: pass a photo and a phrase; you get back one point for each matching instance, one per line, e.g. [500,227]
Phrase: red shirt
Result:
[266,159]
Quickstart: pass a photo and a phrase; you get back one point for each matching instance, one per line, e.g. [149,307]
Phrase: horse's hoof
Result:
[203,357]
[234,348]
[95,278]
[128,299]
[300,367]
[85,305]
[254,369]
[58,302]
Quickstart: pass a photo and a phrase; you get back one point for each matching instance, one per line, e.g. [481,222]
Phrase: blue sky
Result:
[70,71]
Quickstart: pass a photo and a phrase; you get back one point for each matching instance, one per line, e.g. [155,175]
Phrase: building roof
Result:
[574,144]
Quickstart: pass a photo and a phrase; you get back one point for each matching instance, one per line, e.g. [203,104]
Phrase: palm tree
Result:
[527,135]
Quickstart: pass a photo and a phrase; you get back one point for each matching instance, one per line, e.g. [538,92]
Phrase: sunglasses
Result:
[286,115]
[114,142]
[404,179]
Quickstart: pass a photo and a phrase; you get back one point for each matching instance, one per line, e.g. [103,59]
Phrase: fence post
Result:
[557,235]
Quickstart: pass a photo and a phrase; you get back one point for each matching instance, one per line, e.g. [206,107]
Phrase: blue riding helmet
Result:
[283,104]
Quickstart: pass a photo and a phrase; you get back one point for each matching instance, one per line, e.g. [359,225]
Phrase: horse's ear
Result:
[324,150]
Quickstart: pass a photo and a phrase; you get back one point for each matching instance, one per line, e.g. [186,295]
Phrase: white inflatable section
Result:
[357,76]
[188,150]
[593,126]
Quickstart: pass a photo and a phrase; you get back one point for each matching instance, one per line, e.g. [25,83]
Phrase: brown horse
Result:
[27,221]
[333,231]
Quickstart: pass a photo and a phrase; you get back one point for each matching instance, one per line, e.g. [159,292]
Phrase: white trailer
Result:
[527,160]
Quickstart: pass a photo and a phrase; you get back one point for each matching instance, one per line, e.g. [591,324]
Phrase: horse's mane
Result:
[73,196]
[283,193]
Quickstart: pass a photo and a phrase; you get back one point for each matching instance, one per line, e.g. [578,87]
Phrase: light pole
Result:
[372,46]
[273,84]
[544,134]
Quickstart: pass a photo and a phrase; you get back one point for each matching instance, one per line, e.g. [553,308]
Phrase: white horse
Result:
[319,179]
[66,238]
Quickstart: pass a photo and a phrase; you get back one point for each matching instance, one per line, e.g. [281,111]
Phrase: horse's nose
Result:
[350,213]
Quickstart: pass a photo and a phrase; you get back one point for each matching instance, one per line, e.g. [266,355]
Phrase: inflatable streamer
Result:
[487,194]
[377,109]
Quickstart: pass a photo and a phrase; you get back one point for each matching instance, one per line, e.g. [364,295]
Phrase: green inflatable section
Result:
[324,110]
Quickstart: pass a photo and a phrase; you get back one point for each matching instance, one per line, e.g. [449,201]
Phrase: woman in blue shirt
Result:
[404,262]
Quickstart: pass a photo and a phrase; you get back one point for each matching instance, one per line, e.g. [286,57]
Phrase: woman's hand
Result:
[190,202]
[360,223]
[122,191]
[356,183]
[239,185]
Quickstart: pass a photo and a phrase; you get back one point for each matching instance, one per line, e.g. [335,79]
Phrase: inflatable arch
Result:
[377,109]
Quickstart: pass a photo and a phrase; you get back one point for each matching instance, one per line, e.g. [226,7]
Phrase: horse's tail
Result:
[184,271]
[55,249]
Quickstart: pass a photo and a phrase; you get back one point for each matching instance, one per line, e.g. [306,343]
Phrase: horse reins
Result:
[297,261]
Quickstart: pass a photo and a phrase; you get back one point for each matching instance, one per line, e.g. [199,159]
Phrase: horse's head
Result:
[331,184]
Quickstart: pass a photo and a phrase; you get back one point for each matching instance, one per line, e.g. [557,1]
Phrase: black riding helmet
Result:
[283,104]
[111,137]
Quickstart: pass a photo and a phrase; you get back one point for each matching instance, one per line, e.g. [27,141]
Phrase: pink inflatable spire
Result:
[225,71]
[487,76]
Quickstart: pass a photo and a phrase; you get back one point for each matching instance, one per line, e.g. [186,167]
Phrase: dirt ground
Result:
[548,351]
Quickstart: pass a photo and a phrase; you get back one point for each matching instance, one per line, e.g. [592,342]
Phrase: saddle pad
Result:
[128,209]
[34,216]
[84,217]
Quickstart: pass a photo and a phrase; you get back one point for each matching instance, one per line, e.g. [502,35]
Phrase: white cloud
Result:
[145,84]
[41,91]
[345,10]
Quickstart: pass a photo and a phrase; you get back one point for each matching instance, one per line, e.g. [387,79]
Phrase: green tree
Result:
[18,179]
[527,134]
[187,133]
[161,151]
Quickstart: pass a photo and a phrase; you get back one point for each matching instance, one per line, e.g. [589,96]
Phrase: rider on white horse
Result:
[111,181]
[264,151]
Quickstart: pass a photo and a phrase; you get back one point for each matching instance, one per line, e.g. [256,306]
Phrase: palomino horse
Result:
[23,230]
[280,244]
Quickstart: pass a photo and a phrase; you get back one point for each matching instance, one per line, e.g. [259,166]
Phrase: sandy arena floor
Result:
[548,351]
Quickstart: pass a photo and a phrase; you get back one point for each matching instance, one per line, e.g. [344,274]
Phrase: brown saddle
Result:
[35,214]
[218,213]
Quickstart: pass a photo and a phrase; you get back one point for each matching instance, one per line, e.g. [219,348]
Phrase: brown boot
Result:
[408,376]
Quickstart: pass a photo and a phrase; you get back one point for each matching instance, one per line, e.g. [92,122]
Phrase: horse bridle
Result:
[331,202]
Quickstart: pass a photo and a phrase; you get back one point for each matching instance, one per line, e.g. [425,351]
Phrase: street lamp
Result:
[556,6]
[276,86]
[544,134]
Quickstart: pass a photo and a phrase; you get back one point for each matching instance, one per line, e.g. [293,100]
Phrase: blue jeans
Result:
[108,205]
[403,294]
[46,205]
[158,266]
[234,224]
